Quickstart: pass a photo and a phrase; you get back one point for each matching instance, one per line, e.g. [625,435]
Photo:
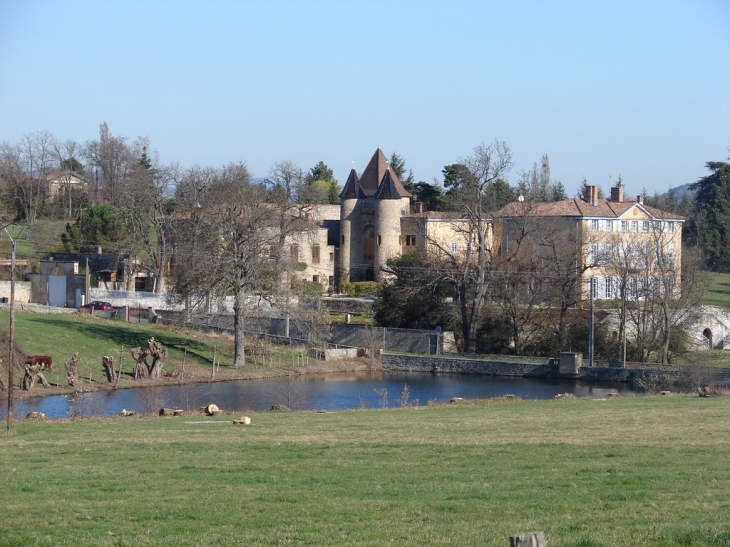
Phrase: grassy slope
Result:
[647,471]
[94,337]
[718,290]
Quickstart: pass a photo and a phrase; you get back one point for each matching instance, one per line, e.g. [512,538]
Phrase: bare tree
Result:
[470,272]
[224,247]
[113,157]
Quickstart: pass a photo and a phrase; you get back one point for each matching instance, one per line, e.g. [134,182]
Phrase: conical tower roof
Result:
[352,188]
[390,187]
[374,173]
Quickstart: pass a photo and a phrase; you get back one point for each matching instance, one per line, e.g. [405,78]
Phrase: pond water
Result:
[316,392]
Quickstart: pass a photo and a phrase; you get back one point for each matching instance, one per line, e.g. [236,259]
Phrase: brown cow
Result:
[45,361]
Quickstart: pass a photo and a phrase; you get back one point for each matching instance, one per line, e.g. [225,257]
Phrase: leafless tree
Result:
[114,159]
[470,273]
[224,247]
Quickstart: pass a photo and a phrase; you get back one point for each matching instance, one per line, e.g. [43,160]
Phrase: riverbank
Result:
[623,471]
[190,360]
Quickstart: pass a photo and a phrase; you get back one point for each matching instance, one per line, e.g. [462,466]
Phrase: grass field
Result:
[621,472]
[94,337]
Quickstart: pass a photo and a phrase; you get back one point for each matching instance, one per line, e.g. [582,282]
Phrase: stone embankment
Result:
[496,366]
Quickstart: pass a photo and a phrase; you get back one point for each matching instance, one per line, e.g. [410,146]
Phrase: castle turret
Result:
[391,202]
[349,217]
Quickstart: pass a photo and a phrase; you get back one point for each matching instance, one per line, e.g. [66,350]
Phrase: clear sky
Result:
[634,88]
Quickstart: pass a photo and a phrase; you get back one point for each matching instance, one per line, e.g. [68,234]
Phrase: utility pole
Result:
[11,364]
[590,339]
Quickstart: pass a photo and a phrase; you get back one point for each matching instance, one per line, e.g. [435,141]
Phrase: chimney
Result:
[592,195]
[639,199]
[418,206]
[617,194]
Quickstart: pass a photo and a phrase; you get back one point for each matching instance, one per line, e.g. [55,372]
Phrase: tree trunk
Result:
[108,364]
[73,378]
[239,317]
[31,373]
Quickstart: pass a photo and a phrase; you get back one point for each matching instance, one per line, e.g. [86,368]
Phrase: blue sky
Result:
[639,89]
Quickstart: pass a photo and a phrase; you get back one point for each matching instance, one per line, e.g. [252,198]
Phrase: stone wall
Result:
[661,375]
[409,363]
[22,291]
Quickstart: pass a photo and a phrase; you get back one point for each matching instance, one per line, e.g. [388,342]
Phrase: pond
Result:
[314,392]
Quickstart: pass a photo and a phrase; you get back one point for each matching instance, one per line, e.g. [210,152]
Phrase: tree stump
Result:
[533,539]
[73,378]
[140,357]
[108,363]
[33,372]
[159,356]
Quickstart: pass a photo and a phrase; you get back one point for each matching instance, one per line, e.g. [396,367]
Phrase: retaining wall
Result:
[22,290]
[661,375]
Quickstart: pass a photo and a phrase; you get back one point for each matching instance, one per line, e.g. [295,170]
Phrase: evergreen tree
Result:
[713,204]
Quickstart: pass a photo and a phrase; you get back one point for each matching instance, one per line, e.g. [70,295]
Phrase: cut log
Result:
[534,539]
[244,420]
[167,412]
[210,409]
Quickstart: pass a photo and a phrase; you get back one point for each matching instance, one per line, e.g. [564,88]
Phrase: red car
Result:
[99,305]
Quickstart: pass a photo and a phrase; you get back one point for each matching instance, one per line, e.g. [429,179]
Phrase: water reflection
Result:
[320,392]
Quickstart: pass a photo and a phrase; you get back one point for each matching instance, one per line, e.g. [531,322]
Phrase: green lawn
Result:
[645,471]
[718,290]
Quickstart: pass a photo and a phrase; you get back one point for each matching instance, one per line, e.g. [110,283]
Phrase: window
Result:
[608,225]
[645,226]
[593,225]
[331,281]
[624,226]
[672,226]
[454,249]
[634,225]
[592,257]
[343,239]
[294,253]
[380,239]
[670,255]
[410,241]
[315,279]
[315,254]
[332,257]
[608,286]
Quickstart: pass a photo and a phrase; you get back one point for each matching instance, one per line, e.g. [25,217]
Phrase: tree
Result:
[537,184]
[469,195]
[224,246]
[149,221]
[114,159]
[286,180]
[320,186]
[713,203]
[431,195]
[414,296]
[398,166]
[99,225]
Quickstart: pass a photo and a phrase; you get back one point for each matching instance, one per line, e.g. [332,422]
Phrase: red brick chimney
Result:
[617,194]
[592,195]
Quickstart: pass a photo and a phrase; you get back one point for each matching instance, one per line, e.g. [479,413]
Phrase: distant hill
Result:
[680,191]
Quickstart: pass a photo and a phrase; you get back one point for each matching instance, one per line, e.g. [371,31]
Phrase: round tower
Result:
[390,201]
[349,218]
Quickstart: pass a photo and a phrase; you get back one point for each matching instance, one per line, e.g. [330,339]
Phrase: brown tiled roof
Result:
[390,187]
[374,173]
[575,207]
[352,188]
[440,215]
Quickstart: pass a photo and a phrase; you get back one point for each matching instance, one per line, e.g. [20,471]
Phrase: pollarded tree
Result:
[713,203]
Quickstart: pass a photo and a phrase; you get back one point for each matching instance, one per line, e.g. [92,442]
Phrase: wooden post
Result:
[533,539]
